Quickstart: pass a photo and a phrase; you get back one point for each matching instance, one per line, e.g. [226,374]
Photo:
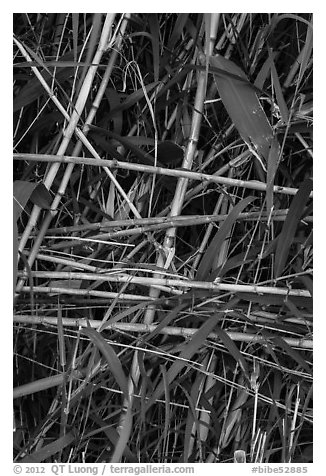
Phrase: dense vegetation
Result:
[163,237]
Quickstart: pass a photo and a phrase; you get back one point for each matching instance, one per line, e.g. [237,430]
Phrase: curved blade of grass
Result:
[243,106]
[290,225]
[189,350]
[111,357]
[208,262]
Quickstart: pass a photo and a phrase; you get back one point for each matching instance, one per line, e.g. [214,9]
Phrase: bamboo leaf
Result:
[34,89]
[208,262]
[291,352]
[15,249]
[114,101]
[233,350]
[111,357]
[169,153]
[264,71]
[243,106]
[133,98]
[75,23]
[113,436]
[129,144]
[290,225]
[272,164]
[41,197]
[278,91]
[155,31]
[124,435]
[50,449]
[192,420]
[36,192]
[189,350]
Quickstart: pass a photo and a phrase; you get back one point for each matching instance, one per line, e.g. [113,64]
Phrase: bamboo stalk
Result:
[180,173]
[148,328]
[67,135]
[185,283]
[179,220]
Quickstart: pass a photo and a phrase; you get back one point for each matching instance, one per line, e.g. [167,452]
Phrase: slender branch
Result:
[185,283]
[147,328]
[115,164]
